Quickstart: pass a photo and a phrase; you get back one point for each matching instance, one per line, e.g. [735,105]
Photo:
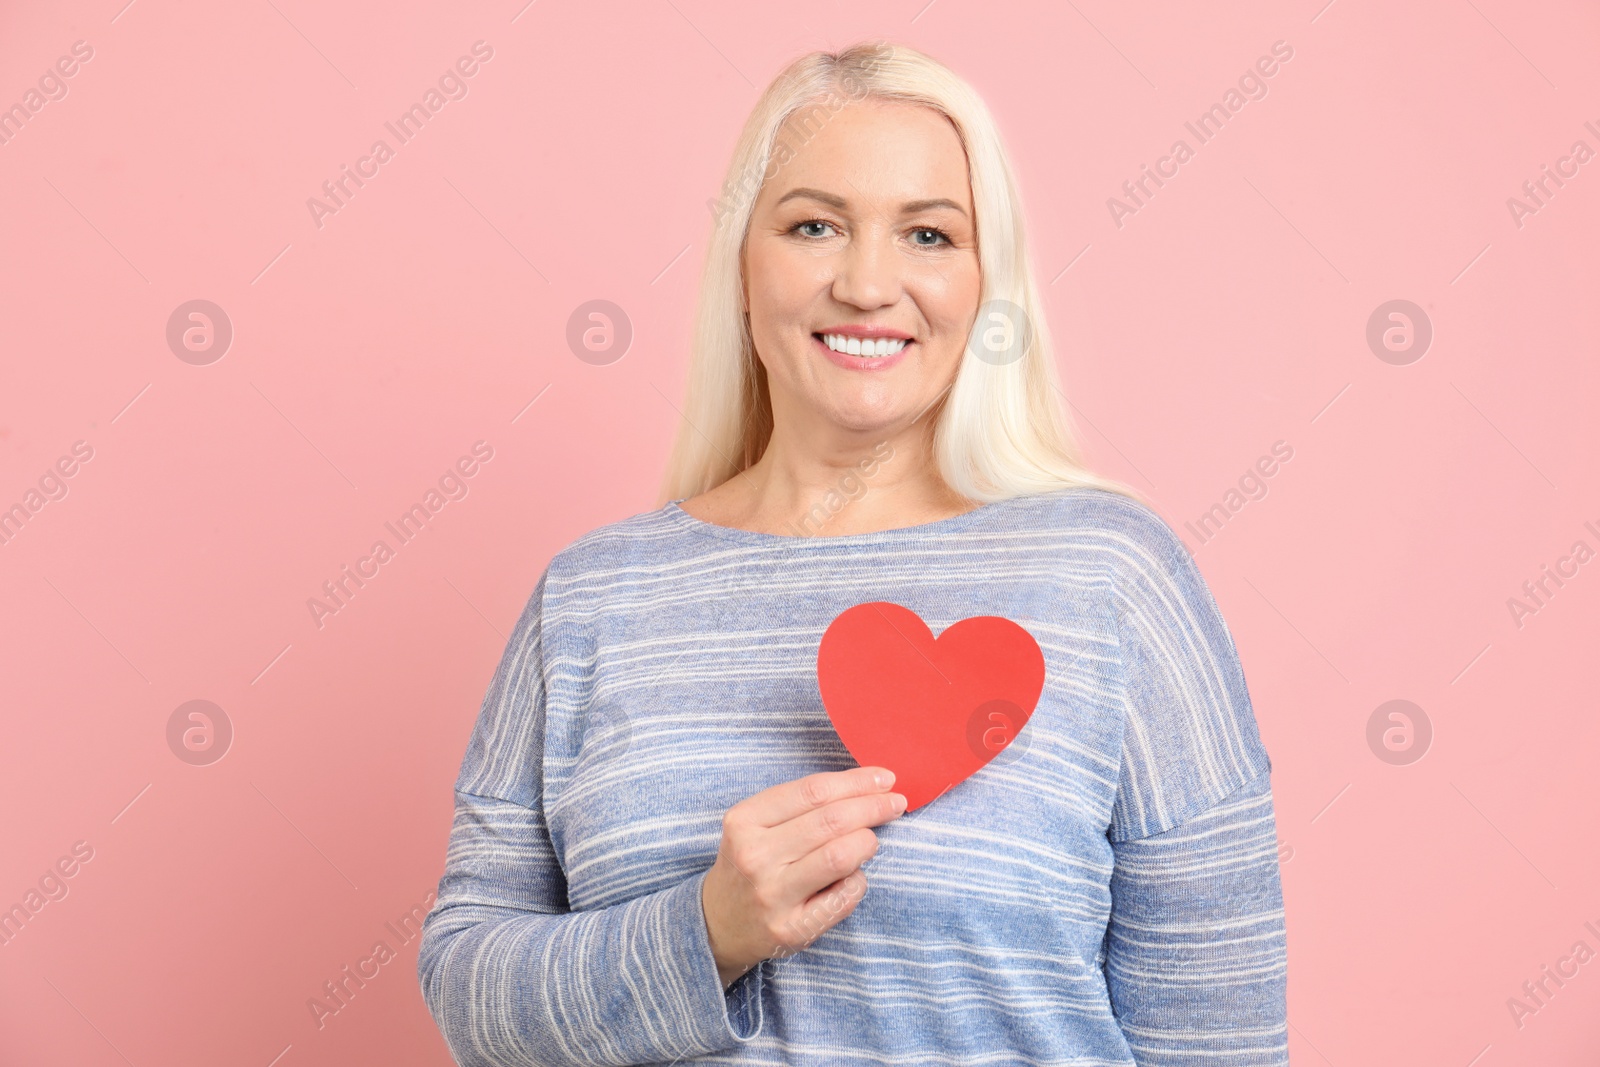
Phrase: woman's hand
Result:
[788,868]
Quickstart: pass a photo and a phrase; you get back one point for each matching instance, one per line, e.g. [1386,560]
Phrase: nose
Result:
[869,272]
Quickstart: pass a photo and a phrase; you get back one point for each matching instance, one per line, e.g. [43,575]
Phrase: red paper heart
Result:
[932,711]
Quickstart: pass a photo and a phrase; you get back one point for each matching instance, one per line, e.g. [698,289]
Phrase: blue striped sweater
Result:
[1105,892]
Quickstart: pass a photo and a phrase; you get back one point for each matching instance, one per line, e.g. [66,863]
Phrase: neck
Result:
[824,483]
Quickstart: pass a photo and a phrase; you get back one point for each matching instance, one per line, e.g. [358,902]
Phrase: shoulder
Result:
[647,540]
[1126,535]
[579,584]
[636,536]
[1149,583]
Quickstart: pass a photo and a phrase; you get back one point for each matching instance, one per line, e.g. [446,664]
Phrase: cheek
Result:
[783,286]
[950,302]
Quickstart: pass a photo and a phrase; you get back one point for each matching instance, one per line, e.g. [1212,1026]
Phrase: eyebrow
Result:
[838,203]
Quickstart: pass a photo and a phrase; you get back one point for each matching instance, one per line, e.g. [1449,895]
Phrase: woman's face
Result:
[864,242]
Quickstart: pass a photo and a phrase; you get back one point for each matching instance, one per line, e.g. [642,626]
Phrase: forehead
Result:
[871,149]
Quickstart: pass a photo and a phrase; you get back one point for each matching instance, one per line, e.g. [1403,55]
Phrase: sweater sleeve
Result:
[1195,952]
[510,974]
[1189,731]
[1196,955]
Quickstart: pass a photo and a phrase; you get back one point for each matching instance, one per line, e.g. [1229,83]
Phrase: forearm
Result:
[513,979]
[1196,959]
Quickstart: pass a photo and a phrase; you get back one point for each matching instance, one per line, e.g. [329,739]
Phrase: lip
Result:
[849,362]
[874,332]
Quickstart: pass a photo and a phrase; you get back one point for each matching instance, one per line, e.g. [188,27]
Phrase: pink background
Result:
[369,354]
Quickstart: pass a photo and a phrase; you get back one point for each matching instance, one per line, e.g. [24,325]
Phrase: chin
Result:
[866,411]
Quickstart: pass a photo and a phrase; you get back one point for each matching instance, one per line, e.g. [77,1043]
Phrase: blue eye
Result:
[802,227]
[940,234]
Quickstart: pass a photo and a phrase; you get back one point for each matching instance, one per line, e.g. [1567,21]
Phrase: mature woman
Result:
[662,850]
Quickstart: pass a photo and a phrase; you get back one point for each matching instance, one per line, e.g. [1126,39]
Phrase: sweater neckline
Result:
[955,523]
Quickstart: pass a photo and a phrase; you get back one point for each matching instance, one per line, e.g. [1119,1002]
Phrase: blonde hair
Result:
[1000,430]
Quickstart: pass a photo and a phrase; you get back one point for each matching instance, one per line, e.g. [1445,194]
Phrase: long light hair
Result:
[1000,430]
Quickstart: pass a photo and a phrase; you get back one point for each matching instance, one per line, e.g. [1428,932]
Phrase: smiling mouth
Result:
[864,347]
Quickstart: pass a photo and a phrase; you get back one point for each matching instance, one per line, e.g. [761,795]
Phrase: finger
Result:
[783,802]
[822,867]
[823,911]
[808,832]
[840,899]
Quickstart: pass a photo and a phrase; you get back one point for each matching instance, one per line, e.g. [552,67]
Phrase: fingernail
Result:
[898,802]
[884,779]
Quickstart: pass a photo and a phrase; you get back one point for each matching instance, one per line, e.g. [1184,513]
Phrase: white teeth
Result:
[856,346]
